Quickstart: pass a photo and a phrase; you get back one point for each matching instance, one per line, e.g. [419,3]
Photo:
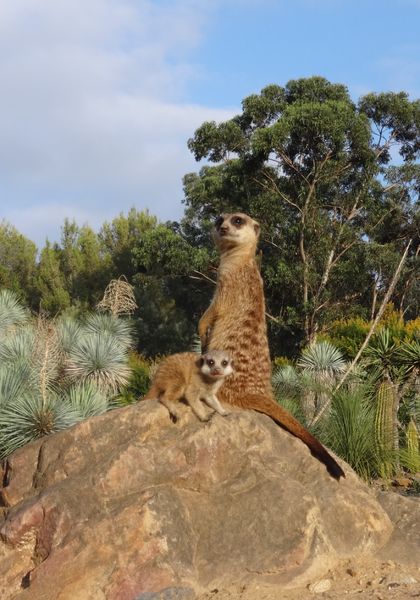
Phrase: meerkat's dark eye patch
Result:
[237,221]
[218,222]
[210,362]
[225,363]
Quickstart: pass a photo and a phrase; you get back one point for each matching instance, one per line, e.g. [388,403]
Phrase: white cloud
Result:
[92,117]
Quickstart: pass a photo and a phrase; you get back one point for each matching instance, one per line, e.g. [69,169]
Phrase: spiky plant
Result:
[381,354]
[17,345]
[196,344]
[55,373]
[381,359]
[102,323]
[12,312]
[323,361]
[15,381]
[68,332]
[349,430]
[86,399]
[409,354]
[99,358]
[287,381]
[320,364]
[31,417]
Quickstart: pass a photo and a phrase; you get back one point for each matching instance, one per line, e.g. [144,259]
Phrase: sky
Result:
[99,97]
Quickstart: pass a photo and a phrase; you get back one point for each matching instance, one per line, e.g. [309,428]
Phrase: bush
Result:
[139,380]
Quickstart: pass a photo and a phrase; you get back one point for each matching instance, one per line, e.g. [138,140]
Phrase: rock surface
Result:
[130,506]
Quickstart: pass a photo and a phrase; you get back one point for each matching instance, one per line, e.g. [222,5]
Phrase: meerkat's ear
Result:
[199,362]
[257,228]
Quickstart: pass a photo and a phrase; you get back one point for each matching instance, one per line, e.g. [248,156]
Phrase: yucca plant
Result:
[323,361]
[68,332]
[287,382]
[15,381]
[118,327]
[53,373]
[86,400]
[12,313]
[349,430]
[99,358]
[320,364]
[17,345]
[30,417]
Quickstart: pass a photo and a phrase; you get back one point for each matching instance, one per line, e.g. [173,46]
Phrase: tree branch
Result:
[370,332]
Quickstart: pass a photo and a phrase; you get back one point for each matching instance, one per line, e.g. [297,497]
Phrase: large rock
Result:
[129,506]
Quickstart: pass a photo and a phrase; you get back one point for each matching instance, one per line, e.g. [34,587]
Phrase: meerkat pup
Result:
[235,322]
[193,378]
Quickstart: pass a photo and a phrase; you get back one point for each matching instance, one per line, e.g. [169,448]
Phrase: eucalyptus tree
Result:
[17,261]
[308,162]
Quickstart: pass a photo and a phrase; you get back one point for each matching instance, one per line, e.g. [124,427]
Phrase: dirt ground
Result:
[370,579]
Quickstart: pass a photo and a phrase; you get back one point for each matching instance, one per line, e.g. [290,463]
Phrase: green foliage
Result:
[410,455]
[315,169]
[12,313]
[69,331]
[18,345]
[99,358]
[119,238]
[53,297]
[86,400]
[56,373]
[30,417]
[349,430]
[384,426]
[14,381]
[119,328]
[287,382]
[347,335]
[139,380]
[17,261]
[322,360]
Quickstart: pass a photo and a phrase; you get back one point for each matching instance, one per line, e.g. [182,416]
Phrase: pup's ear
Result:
[199,362]
[257,228]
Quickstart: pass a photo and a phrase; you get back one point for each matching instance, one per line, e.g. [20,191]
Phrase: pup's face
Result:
[235,229]
[216,364]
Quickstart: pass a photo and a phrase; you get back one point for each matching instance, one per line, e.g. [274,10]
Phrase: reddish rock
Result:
[130,506]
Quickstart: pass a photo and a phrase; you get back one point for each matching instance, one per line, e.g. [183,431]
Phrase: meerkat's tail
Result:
[264,404]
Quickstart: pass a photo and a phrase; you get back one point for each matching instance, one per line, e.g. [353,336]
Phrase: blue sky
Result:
[99,97]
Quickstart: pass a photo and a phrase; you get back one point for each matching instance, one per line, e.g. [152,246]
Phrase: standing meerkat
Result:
[191,377]
[235,322]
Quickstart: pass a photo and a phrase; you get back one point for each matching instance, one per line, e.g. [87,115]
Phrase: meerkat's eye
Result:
[218,222]
[225,363]
[237,221]
[210,362]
